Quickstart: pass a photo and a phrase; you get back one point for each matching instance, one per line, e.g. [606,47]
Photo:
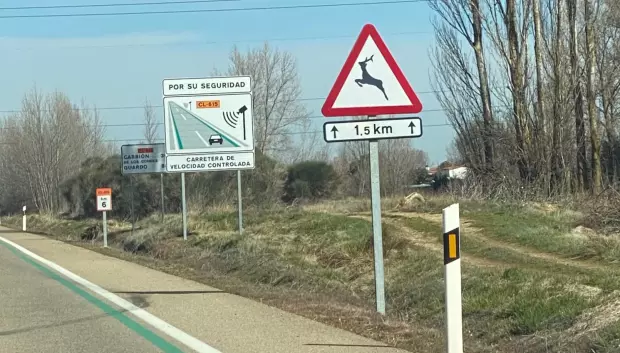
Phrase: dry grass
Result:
[529,270]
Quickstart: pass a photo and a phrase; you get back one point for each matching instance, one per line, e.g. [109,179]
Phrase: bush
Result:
[261,186]
[310,180]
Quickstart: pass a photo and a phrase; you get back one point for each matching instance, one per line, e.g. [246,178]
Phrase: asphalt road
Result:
[40,312]
[193,133]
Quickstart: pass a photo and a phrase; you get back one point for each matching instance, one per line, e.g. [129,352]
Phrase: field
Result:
[534,278]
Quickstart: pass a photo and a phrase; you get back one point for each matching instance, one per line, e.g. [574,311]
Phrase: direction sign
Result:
[370,82]
[104,199]
[143,159]
[210,162]
[208,124]
[374,129]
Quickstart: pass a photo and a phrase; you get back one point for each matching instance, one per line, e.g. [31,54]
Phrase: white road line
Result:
[149,318]
[202,139]
[183,116]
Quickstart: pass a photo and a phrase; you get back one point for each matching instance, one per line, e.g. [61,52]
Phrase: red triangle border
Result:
[328,109]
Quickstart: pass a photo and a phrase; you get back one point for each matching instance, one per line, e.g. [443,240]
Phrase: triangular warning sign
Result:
[370,82]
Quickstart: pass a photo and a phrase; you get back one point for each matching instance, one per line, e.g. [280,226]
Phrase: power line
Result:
[284,133]
[228,42]
[131,107]
[83,6]
[158,124]
[245,9]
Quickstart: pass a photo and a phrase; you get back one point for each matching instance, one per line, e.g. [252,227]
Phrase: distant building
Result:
[452,172]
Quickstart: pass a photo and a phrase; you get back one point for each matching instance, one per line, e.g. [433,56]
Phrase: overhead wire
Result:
[239,9]
[209,42]
[158,3]
[130,107]
[284,133]
[121,4]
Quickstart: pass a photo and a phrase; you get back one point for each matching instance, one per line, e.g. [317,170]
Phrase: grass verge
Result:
[318,263]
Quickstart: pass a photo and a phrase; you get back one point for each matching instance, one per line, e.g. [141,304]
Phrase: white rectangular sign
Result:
[104,199]
[209,162]
[208,85]
[147,158]
[373,129]
[208,124]
[104,203]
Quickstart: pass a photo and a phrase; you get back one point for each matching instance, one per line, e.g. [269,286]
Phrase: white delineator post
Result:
[24,219]
[452,273]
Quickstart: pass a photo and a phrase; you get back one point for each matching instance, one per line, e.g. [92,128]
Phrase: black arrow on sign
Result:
[411,126]
[334,130]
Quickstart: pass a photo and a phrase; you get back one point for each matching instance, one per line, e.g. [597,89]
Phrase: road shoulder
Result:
[226,321]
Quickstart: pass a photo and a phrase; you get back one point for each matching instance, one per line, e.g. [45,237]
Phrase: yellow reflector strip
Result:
[452,246]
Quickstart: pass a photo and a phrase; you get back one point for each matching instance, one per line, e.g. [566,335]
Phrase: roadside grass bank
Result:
[533,279]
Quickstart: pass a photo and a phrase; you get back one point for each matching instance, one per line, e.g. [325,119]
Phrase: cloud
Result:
[125,40]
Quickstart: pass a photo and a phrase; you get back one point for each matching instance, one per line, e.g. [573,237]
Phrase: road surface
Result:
[48,303]
[193,132]
[44,313]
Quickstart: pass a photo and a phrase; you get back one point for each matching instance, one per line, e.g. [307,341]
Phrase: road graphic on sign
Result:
[192,132]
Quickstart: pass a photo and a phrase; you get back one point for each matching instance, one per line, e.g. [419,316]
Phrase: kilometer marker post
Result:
[452,274]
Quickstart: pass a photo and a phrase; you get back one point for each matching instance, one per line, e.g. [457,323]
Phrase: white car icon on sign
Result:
[215,139]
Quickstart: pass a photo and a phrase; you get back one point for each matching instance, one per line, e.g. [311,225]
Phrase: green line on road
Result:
[176,130]
[149,335]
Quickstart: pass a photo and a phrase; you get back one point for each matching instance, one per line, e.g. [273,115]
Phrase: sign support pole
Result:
[239,202]
[452,274]
[105,230]
[133,219]
[375,189]
[161,188]
[184,206]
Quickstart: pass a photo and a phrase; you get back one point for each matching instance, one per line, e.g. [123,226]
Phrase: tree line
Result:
[54,154]
[532,90]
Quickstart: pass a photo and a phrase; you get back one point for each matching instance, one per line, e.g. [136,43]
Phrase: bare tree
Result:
[595,142]
[150,122]
[45,144]
[465,18]
[276,91]
[399,162]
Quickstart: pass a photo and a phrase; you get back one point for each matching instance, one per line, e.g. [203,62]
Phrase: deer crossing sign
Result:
[370,82]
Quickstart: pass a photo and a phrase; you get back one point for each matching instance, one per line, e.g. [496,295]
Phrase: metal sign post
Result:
[239,202]
[104,204]
[105,230]
[184,206]
[133,218]
[375,191]
[371,83]
[161,187]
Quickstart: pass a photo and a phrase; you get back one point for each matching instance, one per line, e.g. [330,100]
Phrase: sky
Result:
[116,62]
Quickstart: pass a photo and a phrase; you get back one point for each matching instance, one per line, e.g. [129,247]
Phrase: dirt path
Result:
[420,239]
[477,234]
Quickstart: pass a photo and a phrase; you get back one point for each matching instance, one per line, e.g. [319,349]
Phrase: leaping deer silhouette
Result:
[369,80]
